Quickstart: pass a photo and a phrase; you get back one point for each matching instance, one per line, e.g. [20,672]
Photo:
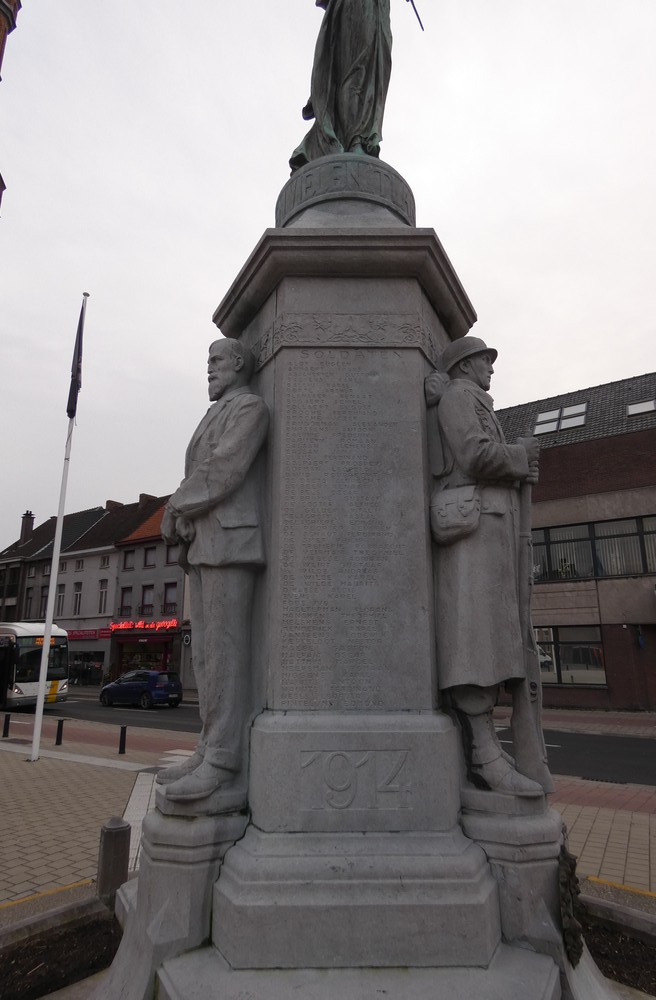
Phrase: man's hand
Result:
[531,446]
[168,527]
[533,473]
[185,529]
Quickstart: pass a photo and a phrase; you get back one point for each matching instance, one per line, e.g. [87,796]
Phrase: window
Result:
[649,528]
[605,548]
[618,548]
[560,419]
[147,597]
[59,601]
[571,654]
[104,562]
[102,597]
[77,598]
[170,605]
[46,569]
[172,552]
[79,564]
[647,406]
[9,581]
[563,553]
[125,609]
[31,570]
[29,596]
[43,603]
[149,555]
[62,566]
[128,559]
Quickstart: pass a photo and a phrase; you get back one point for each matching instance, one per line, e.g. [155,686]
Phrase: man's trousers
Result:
[221,605]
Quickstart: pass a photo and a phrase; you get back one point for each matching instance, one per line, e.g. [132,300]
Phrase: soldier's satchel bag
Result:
[454,513]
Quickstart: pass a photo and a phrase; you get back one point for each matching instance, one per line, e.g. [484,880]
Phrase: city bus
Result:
[21,644]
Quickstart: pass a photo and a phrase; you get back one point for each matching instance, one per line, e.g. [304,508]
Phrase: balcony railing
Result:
[125,611]
[145,609]
[170,608]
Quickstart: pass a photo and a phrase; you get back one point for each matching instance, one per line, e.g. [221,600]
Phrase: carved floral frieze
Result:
[345,330]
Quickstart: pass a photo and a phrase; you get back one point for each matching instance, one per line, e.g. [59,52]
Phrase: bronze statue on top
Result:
[350,76]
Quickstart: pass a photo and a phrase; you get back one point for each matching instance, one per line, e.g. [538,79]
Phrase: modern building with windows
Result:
[594,543]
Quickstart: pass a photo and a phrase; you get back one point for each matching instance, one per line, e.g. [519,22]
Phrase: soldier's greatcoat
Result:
[478,632]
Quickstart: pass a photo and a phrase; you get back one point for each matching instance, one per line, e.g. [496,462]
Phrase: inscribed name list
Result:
[352,591]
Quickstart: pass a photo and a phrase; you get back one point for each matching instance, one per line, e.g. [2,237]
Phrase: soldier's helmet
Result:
[462,348]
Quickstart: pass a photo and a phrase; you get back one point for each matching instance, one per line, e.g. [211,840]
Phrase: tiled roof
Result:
[122,521]
[40,544]
[92,529]
[606,413]
[150,529]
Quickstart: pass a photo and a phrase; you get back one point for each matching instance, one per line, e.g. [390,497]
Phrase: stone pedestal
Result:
[167,911]
[359,873]
[522,842]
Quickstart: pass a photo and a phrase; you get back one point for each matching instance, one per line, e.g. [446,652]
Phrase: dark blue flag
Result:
[76,367]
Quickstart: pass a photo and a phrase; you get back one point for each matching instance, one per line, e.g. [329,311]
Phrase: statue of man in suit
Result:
[214,516]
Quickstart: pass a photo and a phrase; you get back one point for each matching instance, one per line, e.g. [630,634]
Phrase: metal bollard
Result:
[113,859]
[121,742]
[60,732]
[5,728]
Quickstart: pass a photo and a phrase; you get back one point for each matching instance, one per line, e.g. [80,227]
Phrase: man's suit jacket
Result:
[219,491]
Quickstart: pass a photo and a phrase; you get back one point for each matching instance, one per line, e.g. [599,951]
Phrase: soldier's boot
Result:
[488,767]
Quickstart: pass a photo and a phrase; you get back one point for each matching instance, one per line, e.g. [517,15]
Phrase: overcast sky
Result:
[144,146]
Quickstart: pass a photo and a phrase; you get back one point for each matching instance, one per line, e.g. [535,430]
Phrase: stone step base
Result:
[513,974]
[355,901]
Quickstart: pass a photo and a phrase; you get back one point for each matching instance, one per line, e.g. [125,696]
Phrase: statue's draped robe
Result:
[350,76]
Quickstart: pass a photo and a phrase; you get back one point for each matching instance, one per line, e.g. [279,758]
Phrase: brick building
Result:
[594,542]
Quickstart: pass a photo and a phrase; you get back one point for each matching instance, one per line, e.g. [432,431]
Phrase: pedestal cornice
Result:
[376,253]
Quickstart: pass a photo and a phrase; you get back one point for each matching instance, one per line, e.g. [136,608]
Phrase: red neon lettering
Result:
[165,623]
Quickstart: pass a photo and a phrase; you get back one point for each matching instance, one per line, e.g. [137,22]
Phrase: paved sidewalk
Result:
[52,810]
[612,827]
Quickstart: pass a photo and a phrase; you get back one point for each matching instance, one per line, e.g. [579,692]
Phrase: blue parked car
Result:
[144,687]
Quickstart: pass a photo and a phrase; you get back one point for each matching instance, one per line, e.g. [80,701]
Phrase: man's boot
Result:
[169,774]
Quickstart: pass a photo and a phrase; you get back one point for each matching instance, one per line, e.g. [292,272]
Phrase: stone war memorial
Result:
[356,532]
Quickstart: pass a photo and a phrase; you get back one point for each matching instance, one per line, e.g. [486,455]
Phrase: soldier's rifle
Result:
[526,723]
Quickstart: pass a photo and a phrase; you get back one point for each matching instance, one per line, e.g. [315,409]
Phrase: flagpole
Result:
[76,379]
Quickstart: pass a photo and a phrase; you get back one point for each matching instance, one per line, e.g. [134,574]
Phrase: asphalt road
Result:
[86,705]
[619,759]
